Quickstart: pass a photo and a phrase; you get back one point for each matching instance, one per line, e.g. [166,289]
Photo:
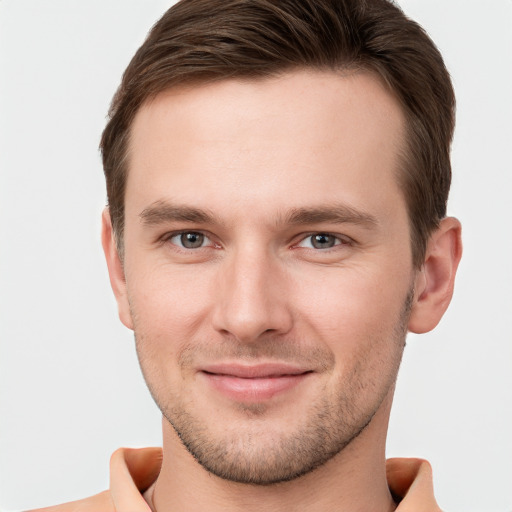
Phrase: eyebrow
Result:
[337,214]
[162,211]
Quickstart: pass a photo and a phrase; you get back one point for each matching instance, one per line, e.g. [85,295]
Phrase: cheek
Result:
[358,316]
[364,328]
[349,300]
[169,294]
[168,308]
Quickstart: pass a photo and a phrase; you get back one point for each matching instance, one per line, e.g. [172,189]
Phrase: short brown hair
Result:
[198,41]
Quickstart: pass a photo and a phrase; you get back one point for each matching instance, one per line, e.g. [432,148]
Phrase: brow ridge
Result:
[162,211]
[337,214]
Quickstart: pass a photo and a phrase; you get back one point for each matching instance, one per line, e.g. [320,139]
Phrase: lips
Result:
[253,383]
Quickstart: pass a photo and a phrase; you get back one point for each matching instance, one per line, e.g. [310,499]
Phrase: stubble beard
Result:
[250,453]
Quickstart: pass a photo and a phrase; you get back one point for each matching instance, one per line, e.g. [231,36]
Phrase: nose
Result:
[252,298]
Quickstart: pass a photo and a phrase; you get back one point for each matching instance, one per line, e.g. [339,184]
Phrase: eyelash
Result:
[338,240]
[170,236]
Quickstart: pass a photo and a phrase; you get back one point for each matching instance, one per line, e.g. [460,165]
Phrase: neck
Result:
[354,480]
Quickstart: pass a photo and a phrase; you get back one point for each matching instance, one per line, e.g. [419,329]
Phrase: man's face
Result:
[268,266]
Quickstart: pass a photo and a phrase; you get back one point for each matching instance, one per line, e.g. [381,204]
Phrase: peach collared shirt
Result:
[133,470]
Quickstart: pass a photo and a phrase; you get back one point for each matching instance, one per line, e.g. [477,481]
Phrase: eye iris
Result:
[322,241]
[192,240]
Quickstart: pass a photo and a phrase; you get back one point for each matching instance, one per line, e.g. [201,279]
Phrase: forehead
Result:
[303,136]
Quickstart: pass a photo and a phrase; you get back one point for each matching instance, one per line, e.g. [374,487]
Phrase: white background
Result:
[70,387]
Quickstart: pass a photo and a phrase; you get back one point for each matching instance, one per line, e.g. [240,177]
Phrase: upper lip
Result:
[255,371]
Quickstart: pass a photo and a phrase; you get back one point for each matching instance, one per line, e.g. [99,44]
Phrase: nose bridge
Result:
[251,298]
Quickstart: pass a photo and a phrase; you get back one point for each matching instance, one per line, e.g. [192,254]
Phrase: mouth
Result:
[254,383]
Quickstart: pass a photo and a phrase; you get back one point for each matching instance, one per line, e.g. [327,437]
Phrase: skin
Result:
[270,164]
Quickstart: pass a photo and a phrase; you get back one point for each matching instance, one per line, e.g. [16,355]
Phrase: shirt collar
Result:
[132,471]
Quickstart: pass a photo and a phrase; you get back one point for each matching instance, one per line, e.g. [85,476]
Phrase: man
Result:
[277,176]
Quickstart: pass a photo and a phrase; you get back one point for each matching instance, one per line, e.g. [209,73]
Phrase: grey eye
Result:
[192,240]
[323,241]
[189,240]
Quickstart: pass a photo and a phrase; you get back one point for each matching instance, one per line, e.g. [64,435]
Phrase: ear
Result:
[434,282]
[115,269]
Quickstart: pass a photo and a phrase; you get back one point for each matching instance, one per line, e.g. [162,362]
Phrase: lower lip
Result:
[253,389]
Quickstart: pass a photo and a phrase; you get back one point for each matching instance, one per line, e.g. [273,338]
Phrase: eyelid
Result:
[342,240]
[172,234]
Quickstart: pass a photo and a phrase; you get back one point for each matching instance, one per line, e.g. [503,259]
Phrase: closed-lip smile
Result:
[253,383]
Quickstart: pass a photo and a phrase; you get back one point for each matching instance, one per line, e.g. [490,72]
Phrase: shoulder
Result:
[132,471]
[99,502]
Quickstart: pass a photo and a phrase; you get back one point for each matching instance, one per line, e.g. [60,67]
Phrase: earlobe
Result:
[435,281]
[115,269]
